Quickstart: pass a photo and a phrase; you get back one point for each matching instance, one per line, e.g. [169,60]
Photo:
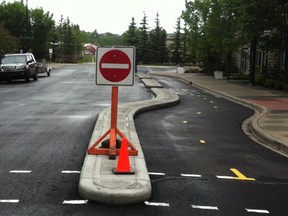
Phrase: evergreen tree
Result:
[79,37]
[94,37]
[143,48]
[177,49]
[158,36]
[42,28]
[131,36]
[69,45]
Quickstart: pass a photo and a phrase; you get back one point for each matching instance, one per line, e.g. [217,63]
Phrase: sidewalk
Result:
[269,124]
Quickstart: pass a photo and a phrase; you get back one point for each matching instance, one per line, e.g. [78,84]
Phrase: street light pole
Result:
[27,27]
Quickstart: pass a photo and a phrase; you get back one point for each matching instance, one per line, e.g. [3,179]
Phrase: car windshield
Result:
[13,59]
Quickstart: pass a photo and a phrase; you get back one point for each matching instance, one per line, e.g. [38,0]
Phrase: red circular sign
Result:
[115,65]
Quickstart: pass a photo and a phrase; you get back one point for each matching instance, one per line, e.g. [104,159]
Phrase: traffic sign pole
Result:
[115,67]
[112,151]
[114,111]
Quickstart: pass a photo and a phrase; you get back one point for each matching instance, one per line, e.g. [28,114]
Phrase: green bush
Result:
[285,87]
[260,80]
[270,83]
[279,85]
[86,58]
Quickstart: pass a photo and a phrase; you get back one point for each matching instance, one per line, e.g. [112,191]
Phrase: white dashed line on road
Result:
[20,171]
[9,200]
[205,207]
[156,173]
[225,177]
[260,211]
[157,204]
[70,172]
[75,202]
[191,175]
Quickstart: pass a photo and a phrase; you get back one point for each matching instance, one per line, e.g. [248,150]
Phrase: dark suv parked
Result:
[18,66]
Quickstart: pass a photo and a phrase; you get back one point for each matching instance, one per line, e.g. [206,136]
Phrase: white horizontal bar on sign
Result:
[114,66]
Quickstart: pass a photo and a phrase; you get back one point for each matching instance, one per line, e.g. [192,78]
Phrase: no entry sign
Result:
[115,66]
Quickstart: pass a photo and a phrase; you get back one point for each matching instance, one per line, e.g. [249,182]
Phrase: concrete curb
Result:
[97,181]
[250,126]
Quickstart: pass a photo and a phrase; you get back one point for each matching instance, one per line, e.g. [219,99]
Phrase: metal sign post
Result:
[114,66]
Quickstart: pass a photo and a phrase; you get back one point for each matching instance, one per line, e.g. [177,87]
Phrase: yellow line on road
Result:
[240,176]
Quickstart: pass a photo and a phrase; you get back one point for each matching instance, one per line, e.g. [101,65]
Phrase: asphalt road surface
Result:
[202,163]
[45,129]
[199,160]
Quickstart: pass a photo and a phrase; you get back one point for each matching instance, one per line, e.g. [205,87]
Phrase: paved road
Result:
[197,148]
[45,127]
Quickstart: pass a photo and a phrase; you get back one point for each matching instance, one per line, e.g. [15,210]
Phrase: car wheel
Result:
[27,77]
[35,77]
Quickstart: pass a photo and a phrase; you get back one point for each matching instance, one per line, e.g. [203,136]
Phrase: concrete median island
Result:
[97,181]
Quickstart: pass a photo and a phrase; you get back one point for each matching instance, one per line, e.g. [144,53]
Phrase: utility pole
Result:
[27,27]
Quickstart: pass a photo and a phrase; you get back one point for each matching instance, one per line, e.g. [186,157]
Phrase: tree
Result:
[196,17]
[253,20]
[15,21]
[79,37]
[177,49]
[66,50]
[109,39]
[8,43]
[94,37]
[222,40]
[69,43]
[42,26]
[157,36]
[143,48]
[279,35]
[131,36]
[213,43]
[193,34]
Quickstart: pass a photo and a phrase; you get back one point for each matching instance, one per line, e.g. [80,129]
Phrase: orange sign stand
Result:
[112,151]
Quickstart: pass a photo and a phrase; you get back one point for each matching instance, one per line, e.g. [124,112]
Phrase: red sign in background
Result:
[115,65]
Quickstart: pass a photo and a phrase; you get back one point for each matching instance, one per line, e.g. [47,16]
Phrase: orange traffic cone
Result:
[123,165]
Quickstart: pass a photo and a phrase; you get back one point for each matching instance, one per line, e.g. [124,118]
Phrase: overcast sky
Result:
[112,15]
